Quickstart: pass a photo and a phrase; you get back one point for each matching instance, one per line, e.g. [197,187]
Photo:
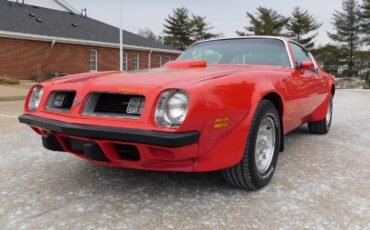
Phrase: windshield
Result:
[253,51]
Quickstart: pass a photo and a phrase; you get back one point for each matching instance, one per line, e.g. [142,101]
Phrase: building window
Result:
[159,60]
[135,61]
[124,61]
[93,60]
[168,58]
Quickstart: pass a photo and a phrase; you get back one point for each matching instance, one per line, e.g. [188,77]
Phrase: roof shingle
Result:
[22,18]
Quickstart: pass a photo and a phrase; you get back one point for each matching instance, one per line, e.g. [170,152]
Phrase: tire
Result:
[323,126]
[249,174]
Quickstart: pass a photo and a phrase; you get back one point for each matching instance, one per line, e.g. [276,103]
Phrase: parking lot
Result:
[322,182]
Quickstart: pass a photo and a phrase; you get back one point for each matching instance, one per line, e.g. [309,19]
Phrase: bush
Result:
[9,81]
[48,76]
[44,77]
[349,83]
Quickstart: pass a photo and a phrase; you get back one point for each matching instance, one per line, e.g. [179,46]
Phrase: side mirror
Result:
[305,65]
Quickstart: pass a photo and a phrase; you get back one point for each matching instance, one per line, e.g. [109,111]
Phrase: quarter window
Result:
[93,60]
[136,61]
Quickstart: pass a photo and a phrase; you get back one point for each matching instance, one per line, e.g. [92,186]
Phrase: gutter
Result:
[34,37]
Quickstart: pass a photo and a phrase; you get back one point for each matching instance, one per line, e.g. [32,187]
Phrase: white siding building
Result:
[51,4]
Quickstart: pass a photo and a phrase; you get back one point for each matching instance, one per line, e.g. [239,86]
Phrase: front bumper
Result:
[148,137]
[119,147]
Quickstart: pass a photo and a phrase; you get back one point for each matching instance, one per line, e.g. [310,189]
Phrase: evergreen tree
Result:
[300,24]
[265,22]
[365,21]
[201,29]
[347,31]
[329,57]
[182,29]
[178,28]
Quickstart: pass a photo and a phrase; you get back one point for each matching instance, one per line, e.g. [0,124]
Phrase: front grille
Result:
[61,101]
[114,105]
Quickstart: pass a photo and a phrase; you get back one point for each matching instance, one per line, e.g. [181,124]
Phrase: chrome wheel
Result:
[329,113]
[265,144]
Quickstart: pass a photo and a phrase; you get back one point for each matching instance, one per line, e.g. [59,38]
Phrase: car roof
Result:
[282,38]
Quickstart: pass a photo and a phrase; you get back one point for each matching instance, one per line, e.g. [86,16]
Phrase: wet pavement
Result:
[321,182]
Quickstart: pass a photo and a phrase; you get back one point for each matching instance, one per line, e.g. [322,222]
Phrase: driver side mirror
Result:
[306,65]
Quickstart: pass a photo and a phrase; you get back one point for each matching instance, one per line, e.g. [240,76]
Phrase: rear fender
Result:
[320,113]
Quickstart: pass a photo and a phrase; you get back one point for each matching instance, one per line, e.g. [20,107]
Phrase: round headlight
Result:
[172,108]
[35,98]
[177,107]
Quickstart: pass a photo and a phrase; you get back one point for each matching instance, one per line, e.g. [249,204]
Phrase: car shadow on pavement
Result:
[126,180]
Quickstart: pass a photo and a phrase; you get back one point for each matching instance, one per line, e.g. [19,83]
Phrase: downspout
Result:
[50,63]
[150,59]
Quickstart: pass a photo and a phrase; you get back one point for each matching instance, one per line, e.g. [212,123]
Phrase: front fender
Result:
[233,101]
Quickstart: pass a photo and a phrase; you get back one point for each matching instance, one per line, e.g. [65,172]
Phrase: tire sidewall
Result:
[331,115]
[263,179]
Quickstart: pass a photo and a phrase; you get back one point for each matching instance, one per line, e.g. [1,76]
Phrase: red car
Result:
[222,105]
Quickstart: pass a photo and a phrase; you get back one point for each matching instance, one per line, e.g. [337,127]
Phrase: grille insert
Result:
[89,149]
[61,101]
[75,145]
[114,105]
[127,152]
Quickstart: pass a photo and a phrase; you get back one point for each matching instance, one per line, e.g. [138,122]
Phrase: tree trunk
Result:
[350,64]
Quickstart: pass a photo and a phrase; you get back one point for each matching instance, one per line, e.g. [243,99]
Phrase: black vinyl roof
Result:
[22,18]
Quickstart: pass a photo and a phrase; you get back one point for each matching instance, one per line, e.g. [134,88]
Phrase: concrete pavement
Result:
[321,182]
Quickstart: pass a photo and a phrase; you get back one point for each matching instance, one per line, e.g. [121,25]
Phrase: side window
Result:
[159,60]
[93,60]
[300,54]
[124,61]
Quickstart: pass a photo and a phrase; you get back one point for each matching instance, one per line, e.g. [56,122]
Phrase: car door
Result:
[321,81]
[302,87]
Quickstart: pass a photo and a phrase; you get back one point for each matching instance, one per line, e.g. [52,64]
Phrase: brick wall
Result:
[24,59]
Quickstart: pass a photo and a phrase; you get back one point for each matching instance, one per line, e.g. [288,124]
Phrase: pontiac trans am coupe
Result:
[222,105]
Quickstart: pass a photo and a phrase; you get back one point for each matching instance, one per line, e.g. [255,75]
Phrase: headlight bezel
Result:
[162,114]
[35,98]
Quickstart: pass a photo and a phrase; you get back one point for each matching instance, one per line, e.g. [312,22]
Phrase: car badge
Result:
[76,101]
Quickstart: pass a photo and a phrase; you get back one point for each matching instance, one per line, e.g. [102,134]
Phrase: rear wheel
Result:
[323,126]
[258,164]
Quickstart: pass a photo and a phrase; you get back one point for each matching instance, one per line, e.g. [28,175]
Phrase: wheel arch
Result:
[332,89]
[277,100]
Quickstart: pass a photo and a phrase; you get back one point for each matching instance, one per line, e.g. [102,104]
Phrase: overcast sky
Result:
[225,15]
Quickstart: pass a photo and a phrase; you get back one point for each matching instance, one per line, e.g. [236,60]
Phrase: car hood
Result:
[161,77]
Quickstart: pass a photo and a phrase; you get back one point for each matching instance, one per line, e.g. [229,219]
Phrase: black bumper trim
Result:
[165,139]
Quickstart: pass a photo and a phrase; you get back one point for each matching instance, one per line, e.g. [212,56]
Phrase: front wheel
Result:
[258,164]
[323,126]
